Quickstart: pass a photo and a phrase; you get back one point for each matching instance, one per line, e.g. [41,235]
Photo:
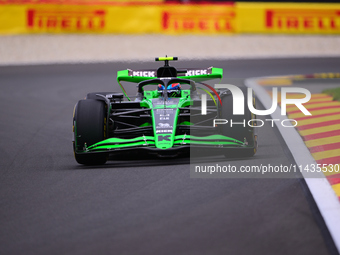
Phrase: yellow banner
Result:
[291,18]
[84,16]
[198,19]
[48,18]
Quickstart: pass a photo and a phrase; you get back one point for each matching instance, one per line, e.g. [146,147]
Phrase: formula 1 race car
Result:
[168,119]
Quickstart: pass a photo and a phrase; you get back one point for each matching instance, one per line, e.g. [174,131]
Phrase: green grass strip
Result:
[335,93]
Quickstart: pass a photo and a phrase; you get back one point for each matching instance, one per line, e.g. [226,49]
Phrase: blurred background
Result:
[58,31]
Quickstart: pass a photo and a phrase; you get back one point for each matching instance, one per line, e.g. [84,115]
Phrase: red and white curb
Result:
[321,190]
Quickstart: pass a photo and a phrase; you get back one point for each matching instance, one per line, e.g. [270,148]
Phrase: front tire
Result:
[89,128]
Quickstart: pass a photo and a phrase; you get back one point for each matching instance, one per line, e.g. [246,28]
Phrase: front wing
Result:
[214,142]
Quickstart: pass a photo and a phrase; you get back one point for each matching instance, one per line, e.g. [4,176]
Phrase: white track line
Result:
[321,190]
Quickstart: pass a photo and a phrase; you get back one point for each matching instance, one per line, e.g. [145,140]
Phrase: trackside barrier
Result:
[139,17]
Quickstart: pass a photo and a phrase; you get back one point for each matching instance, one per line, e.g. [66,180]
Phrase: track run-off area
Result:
[141,205]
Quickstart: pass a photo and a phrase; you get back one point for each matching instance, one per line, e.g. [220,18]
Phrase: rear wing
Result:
[195,74]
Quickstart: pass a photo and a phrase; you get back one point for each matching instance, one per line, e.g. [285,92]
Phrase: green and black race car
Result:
[165,120]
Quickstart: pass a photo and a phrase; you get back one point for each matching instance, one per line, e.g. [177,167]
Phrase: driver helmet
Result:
[170,87]
[174,86]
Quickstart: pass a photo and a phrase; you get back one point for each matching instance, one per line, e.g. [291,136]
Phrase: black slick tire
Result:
[89,128]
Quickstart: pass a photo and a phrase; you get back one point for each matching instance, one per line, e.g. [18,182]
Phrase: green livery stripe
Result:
[181,142]
[149,141]
[118,146]
[122,141]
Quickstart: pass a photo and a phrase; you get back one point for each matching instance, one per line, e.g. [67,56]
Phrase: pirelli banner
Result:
[78,17]
[292,18]
[85,16]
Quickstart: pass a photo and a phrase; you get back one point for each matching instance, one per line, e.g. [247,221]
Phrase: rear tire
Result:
[89,128]
[239,132]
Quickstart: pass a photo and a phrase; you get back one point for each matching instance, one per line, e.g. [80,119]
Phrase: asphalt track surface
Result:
[142,205]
